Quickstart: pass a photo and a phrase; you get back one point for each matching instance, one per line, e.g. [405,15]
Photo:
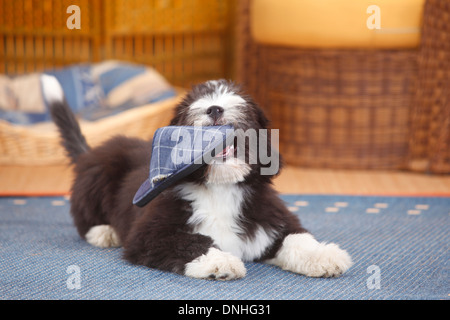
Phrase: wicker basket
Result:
[186,41]
[339,109]
[429,144]
[343,108]
[34,35]
[40,144]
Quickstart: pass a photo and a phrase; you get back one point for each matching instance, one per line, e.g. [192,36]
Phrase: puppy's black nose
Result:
[214,112]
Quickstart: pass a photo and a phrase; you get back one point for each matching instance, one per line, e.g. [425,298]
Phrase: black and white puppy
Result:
[207,224]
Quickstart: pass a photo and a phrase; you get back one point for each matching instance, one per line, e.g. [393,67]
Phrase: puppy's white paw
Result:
[301,253]
[216,265]
[328,260]
[103,236]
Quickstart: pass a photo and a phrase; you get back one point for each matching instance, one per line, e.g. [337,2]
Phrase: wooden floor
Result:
[56,180]
[322,181]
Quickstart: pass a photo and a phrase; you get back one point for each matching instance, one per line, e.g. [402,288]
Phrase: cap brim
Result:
[146,192]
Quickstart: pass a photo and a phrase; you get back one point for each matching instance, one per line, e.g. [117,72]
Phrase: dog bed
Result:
[110,98]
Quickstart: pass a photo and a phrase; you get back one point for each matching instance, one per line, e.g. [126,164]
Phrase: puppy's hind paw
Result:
[103,236]
[216,265]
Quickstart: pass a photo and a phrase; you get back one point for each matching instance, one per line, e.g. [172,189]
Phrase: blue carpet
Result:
[399,246]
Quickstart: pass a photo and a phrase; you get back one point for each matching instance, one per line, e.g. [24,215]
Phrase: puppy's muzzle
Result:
[215,113]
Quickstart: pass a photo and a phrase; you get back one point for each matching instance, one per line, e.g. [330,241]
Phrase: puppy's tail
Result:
[72,138]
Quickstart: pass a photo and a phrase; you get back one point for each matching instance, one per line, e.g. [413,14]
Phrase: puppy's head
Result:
[221,102]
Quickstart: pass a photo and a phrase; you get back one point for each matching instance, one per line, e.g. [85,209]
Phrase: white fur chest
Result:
[216,213]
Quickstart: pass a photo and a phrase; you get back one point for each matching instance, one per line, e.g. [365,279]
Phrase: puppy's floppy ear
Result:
[183,106]
[262,119]
[258,113]
[276,161]
[176,120]
[272,150]
[180,112]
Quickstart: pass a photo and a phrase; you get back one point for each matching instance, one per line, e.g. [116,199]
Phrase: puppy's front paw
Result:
[328,260]
[216,265]
[301,253]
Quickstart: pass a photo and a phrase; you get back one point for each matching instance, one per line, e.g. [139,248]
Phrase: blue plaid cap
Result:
[177,151]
